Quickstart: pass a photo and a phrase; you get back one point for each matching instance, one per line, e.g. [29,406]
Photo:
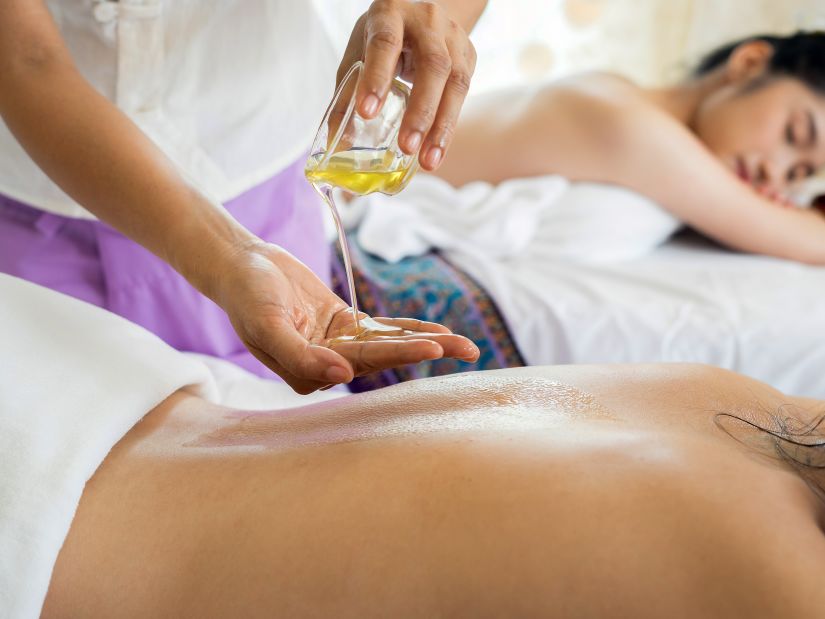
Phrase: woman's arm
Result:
[662,159]
[282,312]
[601,129]
[98,156]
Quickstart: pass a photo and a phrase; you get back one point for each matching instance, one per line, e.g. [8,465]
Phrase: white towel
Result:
[516,240]
[546,216]
[240,389]
[73,380]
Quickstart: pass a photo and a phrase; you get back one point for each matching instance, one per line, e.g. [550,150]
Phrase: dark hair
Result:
[800,55]
[801,445]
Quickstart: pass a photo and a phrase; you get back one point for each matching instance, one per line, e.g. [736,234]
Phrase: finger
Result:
[338,113]
[433,66]
[384,34]
[301,359]
[454,346]
[440,136]
[376,355]
[300,386]
[352,53]
[413,324]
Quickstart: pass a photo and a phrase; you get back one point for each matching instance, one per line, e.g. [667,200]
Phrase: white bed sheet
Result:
[584,273]
[687,301]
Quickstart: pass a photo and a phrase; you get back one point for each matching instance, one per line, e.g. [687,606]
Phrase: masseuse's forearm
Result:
[101,159]
[464,12]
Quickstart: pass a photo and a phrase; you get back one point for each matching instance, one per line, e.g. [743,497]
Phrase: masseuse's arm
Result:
[437,56]
[280,309]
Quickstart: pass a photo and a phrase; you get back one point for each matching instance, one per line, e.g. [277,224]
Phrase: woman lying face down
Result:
[577,491]
[766,126]
[720,150]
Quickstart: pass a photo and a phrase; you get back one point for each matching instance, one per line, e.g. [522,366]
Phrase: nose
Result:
[773,172]
[766,174]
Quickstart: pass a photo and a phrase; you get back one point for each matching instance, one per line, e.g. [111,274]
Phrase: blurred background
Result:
[652,41]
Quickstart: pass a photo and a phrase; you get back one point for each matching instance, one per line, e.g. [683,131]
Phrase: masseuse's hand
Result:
[419,41]
[285,315]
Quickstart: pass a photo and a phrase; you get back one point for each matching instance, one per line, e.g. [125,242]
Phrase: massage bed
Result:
[590,274]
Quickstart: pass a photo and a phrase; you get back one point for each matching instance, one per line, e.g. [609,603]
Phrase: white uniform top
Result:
[232,91]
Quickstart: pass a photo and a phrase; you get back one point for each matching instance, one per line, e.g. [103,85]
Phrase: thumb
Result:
[304,360]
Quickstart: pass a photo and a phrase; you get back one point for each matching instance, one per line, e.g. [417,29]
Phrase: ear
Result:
[748,61]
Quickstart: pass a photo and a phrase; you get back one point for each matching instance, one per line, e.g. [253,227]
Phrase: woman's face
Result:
[769,131]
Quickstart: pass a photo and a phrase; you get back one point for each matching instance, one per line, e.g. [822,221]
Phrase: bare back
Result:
[573,491]
[603,128]
[542,129]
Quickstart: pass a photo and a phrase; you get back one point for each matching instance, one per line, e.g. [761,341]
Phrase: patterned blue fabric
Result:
[427,288]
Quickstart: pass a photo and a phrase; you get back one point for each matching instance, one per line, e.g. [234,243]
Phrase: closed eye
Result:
[796,135]
[813,138]
[790,137]
[800,172]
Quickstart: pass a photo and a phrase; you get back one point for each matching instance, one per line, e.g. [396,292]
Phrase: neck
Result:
[683,100]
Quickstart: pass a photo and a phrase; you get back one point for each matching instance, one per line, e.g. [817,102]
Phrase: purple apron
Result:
[93,262]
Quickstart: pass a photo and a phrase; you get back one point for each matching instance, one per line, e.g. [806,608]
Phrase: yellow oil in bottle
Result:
[359,171]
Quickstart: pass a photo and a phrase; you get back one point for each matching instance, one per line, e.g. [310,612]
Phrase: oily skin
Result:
[576,481]
[482,403]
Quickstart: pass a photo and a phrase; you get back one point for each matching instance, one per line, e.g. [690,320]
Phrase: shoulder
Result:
[713,388]
[607,93]
[610,113]
[645,378]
